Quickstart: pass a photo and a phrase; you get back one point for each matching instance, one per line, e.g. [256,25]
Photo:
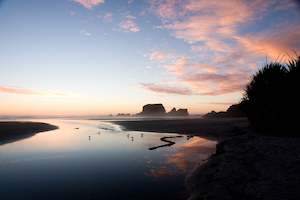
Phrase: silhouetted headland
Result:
[234,110]
[11,131]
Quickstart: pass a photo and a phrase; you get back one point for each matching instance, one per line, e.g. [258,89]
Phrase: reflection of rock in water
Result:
[189,137]
[165,139]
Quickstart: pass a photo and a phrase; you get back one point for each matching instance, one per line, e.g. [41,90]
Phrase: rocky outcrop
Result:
[234,110]
[179,112]
[123,115]
[182,112]
[153,110]
[159,110]
[172,112]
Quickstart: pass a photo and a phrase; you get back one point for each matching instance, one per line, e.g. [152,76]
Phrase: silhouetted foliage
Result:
[271,98]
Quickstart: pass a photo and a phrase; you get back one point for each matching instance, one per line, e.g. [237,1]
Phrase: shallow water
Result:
[97,160]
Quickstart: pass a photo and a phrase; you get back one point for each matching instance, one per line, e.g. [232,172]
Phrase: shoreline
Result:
[11,131]
[210,128]
[246,165]
[249,166]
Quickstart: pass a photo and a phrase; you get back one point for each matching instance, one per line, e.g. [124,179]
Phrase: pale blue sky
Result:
[75,57]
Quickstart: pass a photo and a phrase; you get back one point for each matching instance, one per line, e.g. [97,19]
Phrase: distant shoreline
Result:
[11,131]
[213,128]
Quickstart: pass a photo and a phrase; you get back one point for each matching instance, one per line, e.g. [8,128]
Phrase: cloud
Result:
[225,54]
[26,91]
[217,25]
[158,56]
[178,66]
[130,1]
[283,39]
[206,79]
[85,33]
[201,79]
[166,89]
[165,8]
[108,17]
[216,84]
[89,4]
[129,24]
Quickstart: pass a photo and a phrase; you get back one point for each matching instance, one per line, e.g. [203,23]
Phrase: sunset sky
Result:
[94,57]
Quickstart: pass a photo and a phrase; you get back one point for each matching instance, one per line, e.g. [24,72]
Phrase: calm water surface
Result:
[97,160]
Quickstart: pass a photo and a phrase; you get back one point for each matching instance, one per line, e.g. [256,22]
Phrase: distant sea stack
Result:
[179,112]
[153,109]
[159,110]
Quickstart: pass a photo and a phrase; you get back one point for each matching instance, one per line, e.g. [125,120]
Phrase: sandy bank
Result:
[209,128]
[249,167]
[245,166]
[12,131]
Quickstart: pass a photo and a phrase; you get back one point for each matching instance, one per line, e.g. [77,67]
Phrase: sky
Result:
[98,57]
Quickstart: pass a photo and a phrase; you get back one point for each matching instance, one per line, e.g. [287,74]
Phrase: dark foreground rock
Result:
[12,131]
[249,167]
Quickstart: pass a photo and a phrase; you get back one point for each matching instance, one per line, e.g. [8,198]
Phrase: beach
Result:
[212,128]
[246,165]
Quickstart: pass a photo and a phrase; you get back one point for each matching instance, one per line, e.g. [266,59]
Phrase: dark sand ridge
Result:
[212,128]
[11,131]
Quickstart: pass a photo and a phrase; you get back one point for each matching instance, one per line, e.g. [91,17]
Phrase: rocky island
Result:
[159,110]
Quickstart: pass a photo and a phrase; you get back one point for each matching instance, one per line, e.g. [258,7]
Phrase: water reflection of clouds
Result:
[187,155]
[86,140]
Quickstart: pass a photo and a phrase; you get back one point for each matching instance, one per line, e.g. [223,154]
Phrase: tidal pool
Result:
[86,159]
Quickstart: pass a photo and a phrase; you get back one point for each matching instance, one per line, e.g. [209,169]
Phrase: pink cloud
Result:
[205,68]
[129,24]
[202,79]
[26,91]
[89,4]
[214,23]
[166,8]
[178,67]
[283,39]
[216,84]
[158,56]
[166,89]
[226,57]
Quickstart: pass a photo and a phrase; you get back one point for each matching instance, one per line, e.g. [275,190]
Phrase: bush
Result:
[271,98]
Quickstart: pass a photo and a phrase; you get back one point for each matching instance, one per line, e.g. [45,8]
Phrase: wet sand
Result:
[246,165]
[11,131]
[249,166]
[208,128]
